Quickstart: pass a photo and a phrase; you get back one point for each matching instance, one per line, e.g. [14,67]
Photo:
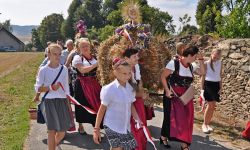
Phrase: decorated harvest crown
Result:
[152,51]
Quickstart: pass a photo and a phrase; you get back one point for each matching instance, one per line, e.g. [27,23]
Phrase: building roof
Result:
[8,32]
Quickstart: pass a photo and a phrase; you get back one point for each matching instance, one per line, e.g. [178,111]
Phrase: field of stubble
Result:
[10,61]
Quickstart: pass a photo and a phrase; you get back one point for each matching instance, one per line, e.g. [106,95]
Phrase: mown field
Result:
[17,78]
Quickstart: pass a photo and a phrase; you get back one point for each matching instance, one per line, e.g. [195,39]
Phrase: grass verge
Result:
[16,91]
[224,131]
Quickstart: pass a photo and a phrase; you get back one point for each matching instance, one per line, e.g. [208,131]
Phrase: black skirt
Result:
[211,90]
[82,115]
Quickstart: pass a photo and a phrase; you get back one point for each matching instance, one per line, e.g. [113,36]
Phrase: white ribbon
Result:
[146,132]
[202,101]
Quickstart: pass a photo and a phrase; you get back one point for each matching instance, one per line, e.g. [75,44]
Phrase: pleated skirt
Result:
[57,114]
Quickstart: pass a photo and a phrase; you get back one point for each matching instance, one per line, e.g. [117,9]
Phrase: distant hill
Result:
[23,30]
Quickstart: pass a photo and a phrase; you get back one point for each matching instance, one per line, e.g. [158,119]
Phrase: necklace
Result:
[91,57]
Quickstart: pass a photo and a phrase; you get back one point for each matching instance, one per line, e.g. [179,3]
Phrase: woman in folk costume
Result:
[72,69]
[87,89]
[178,118]
[131,56]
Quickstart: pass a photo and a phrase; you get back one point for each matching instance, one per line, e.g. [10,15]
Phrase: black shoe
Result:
[161,142]
[185,148]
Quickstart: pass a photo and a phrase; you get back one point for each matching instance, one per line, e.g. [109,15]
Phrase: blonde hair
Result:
[84,40]
[179,47]
[217,52]
[53,46]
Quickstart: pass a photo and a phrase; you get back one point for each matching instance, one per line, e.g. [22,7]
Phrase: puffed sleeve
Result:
[194,66]
[66,79]
[77,60]
[133,97]
[170,65]
[46,60]
[40,79]
[137,72]
[106,96]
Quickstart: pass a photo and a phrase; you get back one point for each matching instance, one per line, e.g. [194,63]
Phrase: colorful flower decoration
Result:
[81,27]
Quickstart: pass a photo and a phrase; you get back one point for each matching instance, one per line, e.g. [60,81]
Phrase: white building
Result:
[7,39]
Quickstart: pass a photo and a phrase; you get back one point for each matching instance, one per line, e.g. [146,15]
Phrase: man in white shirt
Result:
[69,44]
[46,49]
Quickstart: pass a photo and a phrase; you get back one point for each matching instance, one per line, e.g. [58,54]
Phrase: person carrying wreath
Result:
[87,89]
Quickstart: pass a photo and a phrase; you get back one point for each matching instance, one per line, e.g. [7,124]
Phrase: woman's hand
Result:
[96,65]
[144,96]
[200,54]
[97,137]
[220,91]
[169,94]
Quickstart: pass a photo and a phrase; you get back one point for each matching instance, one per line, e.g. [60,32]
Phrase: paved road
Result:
[75,141]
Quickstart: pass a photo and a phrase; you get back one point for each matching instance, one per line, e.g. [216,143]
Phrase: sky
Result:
[31,12]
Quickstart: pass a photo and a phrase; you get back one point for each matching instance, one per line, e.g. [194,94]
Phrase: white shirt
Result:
[47,75]
[78,59]
[211,75]
[184,71]
[118,101]
[137,75]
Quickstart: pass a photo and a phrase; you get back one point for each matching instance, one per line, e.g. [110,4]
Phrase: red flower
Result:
[147,66]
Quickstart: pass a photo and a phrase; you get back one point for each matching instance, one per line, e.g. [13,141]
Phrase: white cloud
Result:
[166,3]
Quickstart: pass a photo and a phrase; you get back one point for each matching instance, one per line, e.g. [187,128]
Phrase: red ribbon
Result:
[202,101]
[76,102]
[146,132]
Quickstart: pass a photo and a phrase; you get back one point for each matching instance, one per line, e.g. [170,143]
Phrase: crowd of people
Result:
[119,105]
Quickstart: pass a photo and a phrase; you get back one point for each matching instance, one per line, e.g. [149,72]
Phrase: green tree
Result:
[115,18]
[142,2]
[35,40]
[90,13]
[236,23]
[93,33]
[161,22]
[28,47]
[108,7]
[106,32]
[68,27]
[6,25]
[205,15]
[50,28]
[186,28]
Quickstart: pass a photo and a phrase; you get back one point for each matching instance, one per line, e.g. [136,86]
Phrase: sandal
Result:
[162,142]
[185,148]
[82,133]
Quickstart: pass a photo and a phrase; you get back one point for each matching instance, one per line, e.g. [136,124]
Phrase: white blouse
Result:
[184,71]
[78,59]
[47,75]
[211,75]
[118,100]
[137,75]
